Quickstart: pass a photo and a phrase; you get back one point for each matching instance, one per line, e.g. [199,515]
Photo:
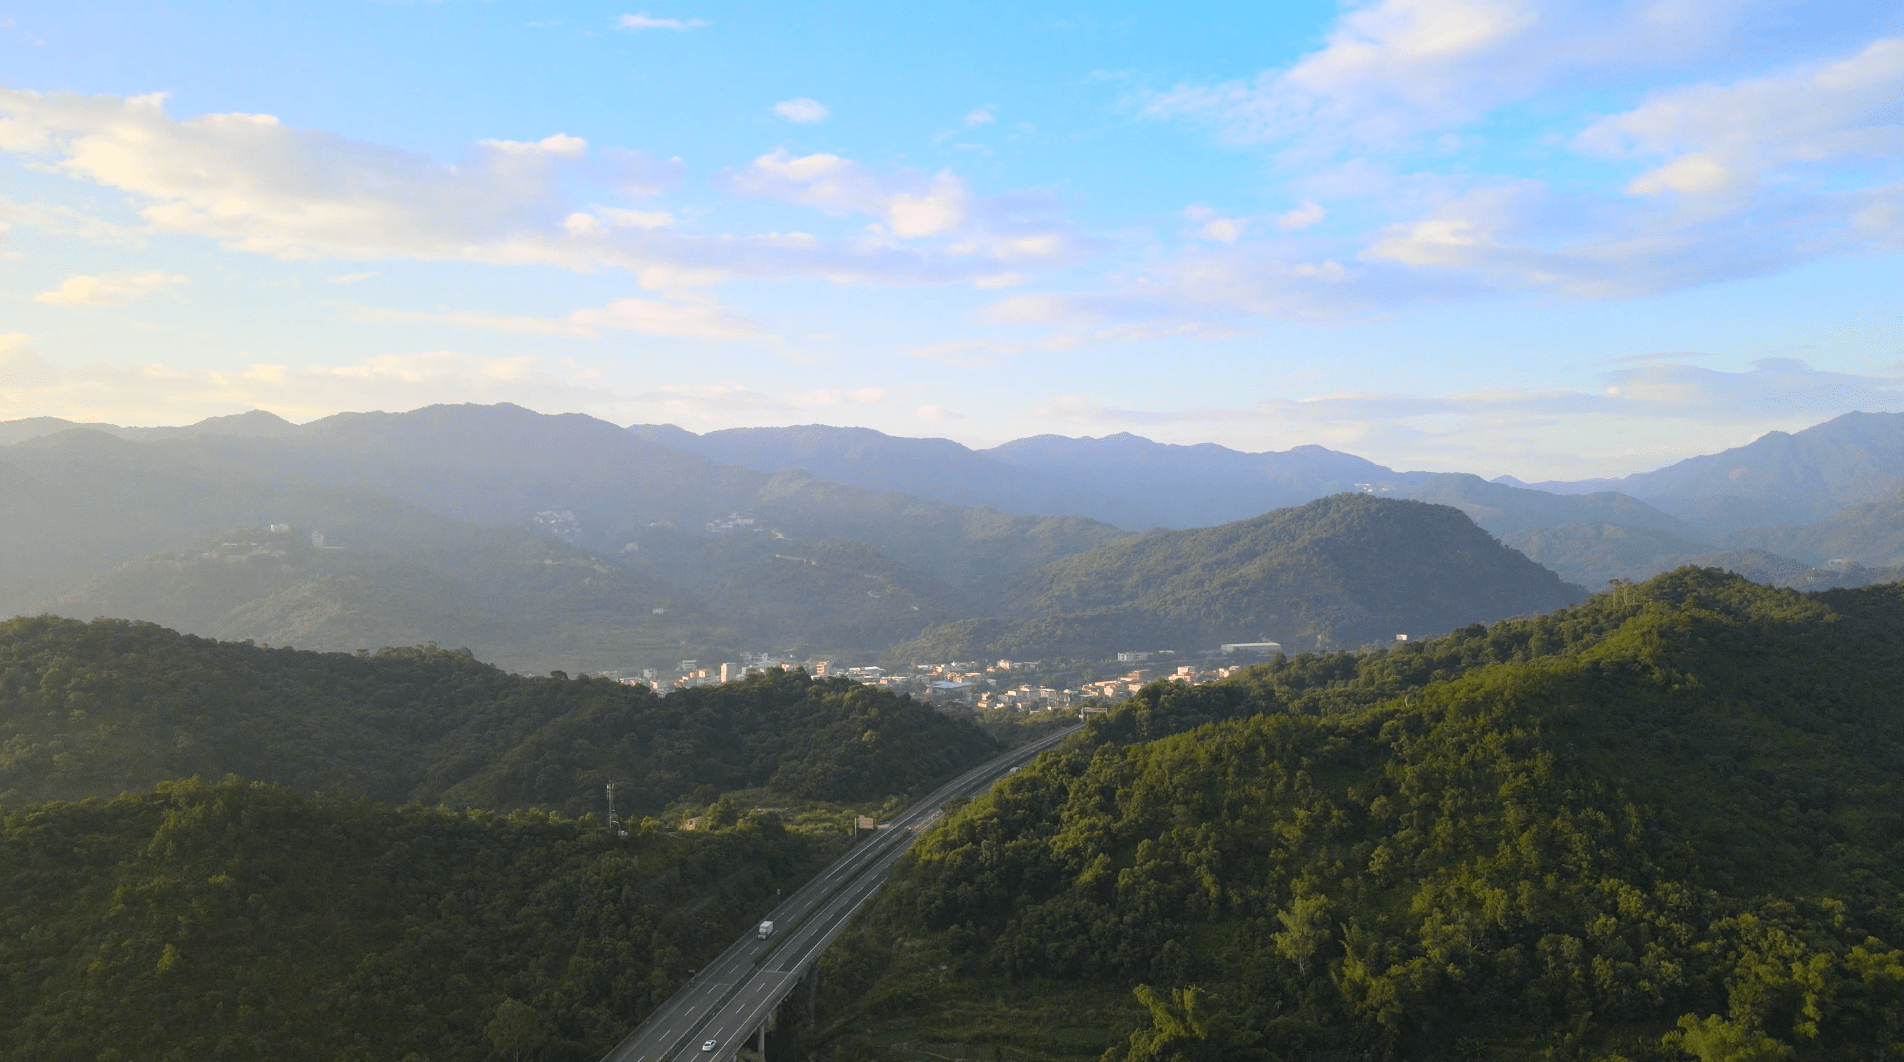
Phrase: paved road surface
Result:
[735,994]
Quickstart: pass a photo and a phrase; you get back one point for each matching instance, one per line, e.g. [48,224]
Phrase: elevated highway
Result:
[733,997]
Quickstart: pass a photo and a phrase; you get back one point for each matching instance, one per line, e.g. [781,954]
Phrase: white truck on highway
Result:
[765,930]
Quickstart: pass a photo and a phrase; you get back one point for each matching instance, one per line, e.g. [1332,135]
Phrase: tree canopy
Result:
[94,709]
[1665,824]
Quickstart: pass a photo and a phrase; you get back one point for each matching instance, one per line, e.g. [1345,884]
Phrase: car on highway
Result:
[710,1045]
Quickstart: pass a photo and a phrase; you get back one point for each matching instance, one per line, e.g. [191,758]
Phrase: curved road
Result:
[731,998]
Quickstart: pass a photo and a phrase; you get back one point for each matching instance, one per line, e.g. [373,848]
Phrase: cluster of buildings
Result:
[1006,684]
[238,551]
[1189,674]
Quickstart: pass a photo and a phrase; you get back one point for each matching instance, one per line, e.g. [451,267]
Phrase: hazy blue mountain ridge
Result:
[128,522]
[939,469]
[1133,482]
[1780,478]
[540,541]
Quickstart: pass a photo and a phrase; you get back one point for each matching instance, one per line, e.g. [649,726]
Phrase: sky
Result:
[1552,240]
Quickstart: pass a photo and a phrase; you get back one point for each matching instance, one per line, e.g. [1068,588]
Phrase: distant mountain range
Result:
[1778,479]
[564,541]
[1134,483]
[1589,531]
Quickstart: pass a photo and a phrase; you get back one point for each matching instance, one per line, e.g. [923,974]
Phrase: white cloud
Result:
[801,110]
[1726,138]
[708,406]
[643,21]
[1214,226]
[911,204]
[259,186]
[642,175]
[20,369]
[68,221]
[110,289]
[1302,217]
[163,394]
[669,319]
[1641,417]
[985,115]
[1000,280]
[1767,173]
[701,320]
[914,204]
[349,278]
[1394,69]
[1738,179]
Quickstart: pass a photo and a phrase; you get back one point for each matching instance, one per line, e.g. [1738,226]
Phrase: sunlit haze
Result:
[1550,240]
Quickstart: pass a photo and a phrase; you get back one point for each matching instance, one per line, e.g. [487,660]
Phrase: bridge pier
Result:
[813,992]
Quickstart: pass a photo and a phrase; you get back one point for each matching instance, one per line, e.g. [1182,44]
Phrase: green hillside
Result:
[1503,509]
[1871,533]
[1663,825]
[1593,553]
[94,709]
[392,574]
[240,921]
[1340,572]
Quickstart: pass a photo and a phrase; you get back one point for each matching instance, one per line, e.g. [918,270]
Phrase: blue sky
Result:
[1552,240]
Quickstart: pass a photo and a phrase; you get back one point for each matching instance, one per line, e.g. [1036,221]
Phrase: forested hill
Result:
[1336,573]
[94,709]
[241,921]
[1663,825]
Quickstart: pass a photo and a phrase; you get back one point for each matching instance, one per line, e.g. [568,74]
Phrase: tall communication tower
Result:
[614,823]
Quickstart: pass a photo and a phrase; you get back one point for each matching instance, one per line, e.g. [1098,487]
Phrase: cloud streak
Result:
[641,20]
[801,111]
[1726,180]
[701,320]
[1642,415]
[109,290]
[1020,231]
[162,394]
[258,186]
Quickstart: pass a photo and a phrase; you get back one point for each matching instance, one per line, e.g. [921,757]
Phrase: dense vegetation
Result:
[93,709]
[240,921]
[1663,825]
[1860,546]
[395,575]
[1339,572]
[1871,533]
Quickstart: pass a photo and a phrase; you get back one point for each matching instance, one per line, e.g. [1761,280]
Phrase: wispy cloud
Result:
[642,20]
[1393,70]
[801,110]
[1725,139]
[259,186]
[1728,179]
[1016,230]
[68,221]
[721,405]
[110,289]
[702,320]
[156,393]
[1640,417]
